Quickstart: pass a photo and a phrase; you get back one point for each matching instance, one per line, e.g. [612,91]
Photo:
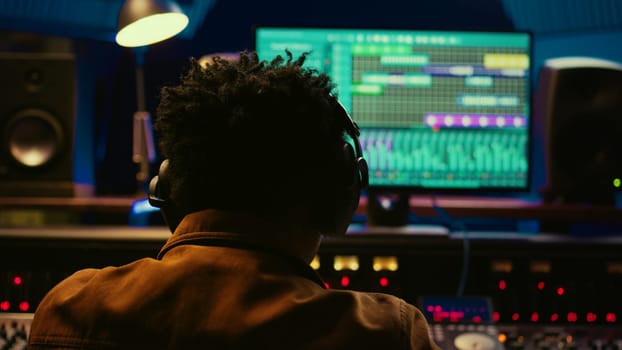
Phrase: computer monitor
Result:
[438,110]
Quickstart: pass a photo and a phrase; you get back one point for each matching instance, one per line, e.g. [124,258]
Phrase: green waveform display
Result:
[452,158]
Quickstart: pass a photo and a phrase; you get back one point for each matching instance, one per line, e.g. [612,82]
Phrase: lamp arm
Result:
[143,145]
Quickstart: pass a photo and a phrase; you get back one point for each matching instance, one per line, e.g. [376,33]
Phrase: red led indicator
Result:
[610,317]
[496,316]
[534,317]
[384,282]
[17,280]
[477,319]
[572,317]
[554,317]
[515,316]
[502,285]
[439,315]
[345,281]
[560,291]
[456,316]
[326,285]
[540,285]
[24,306]
[591,317]
[5,305]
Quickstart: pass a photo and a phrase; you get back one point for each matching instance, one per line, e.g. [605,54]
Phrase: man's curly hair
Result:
[249,135]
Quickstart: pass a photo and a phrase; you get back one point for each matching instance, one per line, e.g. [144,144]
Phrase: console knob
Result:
[474,341]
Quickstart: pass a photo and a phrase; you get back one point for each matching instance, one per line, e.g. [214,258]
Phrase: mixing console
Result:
[530,337]
[14,330]
[526,337]
[555,293]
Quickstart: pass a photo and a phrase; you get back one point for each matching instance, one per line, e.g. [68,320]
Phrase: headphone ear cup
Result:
[348,190]
[352,178]
[159,197]
[347,161]
[363,172]
[155,199]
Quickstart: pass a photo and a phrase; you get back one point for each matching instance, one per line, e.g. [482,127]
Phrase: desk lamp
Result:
[142,23]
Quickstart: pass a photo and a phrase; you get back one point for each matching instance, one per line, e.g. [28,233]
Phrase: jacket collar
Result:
[219,226]
[229,229]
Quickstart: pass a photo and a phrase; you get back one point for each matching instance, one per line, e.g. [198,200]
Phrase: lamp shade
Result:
[145,22]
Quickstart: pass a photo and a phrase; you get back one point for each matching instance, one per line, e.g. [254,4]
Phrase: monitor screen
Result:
[437,109]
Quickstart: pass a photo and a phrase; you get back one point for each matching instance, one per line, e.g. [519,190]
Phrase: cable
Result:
[466,246]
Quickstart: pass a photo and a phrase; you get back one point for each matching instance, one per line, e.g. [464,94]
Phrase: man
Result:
[260,162]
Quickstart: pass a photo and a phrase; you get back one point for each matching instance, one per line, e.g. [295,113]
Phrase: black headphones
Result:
[352,178]
[159,197]
[332,218]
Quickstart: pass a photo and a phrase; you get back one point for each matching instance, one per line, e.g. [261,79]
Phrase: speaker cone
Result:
[34,138]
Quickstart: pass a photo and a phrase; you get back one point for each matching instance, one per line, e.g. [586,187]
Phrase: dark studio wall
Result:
[107,91]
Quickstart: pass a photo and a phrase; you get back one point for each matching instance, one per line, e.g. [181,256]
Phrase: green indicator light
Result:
[617,182]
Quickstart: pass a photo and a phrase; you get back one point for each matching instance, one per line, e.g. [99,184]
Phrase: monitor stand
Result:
[387,208]
[388,213]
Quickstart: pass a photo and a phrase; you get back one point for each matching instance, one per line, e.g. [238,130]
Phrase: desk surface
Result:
[457,206]
[356,232]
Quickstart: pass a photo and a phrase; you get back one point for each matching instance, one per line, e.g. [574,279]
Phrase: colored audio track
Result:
[452,120]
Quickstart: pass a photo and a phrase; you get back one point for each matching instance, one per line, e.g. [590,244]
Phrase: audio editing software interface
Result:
[437,109]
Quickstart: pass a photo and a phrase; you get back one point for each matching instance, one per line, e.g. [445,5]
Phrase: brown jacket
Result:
[216,290]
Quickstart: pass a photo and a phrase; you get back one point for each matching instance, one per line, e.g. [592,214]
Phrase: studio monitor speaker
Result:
[581,102]
[37,115]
